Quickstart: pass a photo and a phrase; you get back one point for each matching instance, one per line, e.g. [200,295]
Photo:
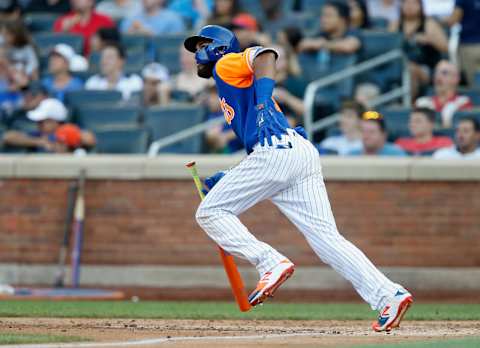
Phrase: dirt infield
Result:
[236,333]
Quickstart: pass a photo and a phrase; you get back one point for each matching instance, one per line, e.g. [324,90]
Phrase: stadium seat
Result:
[312,6]
[309,23]
[127,140]
[445,132]
[106,116]
[467,113]
[396,121]
[40,22]
[472,93]
[23,125]
[2,131]
[135,43]
[374,44]
[94,62]
[477,79]
[167,51]
[252,6]
[167,120]
[135,62]
[75,99]
[379,23]
[46,41]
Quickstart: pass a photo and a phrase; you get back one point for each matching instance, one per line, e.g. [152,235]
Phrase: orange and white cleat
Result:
[392,314]
[270,282]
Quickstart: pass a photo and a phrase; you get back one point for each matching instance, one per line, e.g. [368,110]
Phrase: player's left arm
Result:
[264,71]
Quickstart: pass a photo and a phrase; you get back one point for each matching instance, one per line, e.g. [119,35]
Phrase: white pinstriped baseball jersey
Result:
[289,174]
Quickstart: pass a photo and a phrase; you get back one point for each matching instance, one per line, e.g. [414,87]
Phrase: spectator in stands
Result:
[467,137]
[288,92]
[194,12]
[12,80]
[104,36]
[359,17]
[224,11]
[446,101]
[467,13]
[20,49]
[156,86]
[61,62]
[10,10]
[51,136]
[275,18]
[422,141]
[387,9]
[425,42]
[335,36]
[154,20]
[221,138]
[187,81]
[83,20]
[47,6]
[374,137]
[112,76]
[119,9]
[31,96]
[350,138]
[366,92]
[247,31]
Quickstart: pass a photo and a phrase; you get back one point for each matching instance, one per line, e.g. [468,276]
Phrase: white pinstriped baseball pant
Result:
[289,174]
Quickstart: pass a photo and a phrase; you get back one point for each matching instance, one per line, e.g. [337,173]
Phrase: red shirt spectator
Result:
[422,142]
[446,100]
[83,20]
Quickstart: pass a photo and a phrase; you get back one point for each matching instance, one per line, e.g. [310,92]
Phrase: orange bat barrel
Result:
[234,277]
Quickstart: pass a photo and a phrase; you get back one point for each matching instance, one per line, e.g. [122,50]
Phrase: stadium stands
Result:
[107,116]
[106,113]
[375,43]
[78,98]
[131,140]
[163,121]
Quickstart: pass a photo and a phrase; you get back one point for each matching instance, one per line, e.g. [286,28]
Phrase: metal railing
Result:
[400,92]
[312,88]
[182,135]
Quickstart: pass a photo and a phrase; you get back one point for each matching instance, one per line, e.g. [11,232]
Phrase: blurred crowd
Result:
[104,76]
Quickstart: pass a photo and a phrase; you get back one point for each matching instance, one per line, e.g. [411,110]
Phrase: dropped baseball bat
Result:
[79,216]
[60,276]
[234,277]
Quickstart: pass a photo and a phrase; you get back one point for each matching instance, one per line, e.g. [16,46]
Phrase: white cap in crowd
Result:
[49,109]
[75,61]
[156,71]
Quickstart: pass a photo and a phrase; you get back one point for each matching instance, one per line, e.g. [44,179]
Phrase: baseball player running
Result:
[281,166]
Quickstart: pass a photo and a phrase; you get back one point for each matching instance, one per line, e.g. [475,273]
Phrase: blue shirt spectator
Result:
[374,137]
[61,62]
[195,12]
[56,92]
[154,20]
[469,19]
[388,149]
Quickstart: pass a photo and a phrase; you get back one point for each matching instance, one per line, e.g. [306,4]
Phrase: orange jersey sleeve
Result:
[236,68]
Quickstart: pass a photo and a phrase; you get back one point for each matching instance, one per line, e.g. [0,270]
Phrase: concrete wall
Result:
[408,215]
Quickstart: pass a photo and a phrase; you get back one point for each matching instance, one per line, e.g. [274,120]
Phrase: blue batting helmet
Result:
[222,41]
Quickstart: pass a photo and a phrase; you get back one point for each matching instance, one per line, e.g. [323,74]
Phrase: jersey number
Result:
[228,111]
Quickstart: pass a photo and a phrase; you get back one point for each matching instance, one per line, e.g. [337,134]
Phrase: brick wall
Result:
[152,222]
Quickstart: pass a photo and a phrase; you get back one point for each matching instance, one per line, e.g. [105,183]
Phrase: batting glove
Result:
[300,130]
[211,181]
[267,124]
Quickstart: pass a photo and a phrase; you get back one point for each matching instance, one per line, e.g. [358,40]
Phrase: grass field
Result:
[13,338]
[227,311]
[223,310]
